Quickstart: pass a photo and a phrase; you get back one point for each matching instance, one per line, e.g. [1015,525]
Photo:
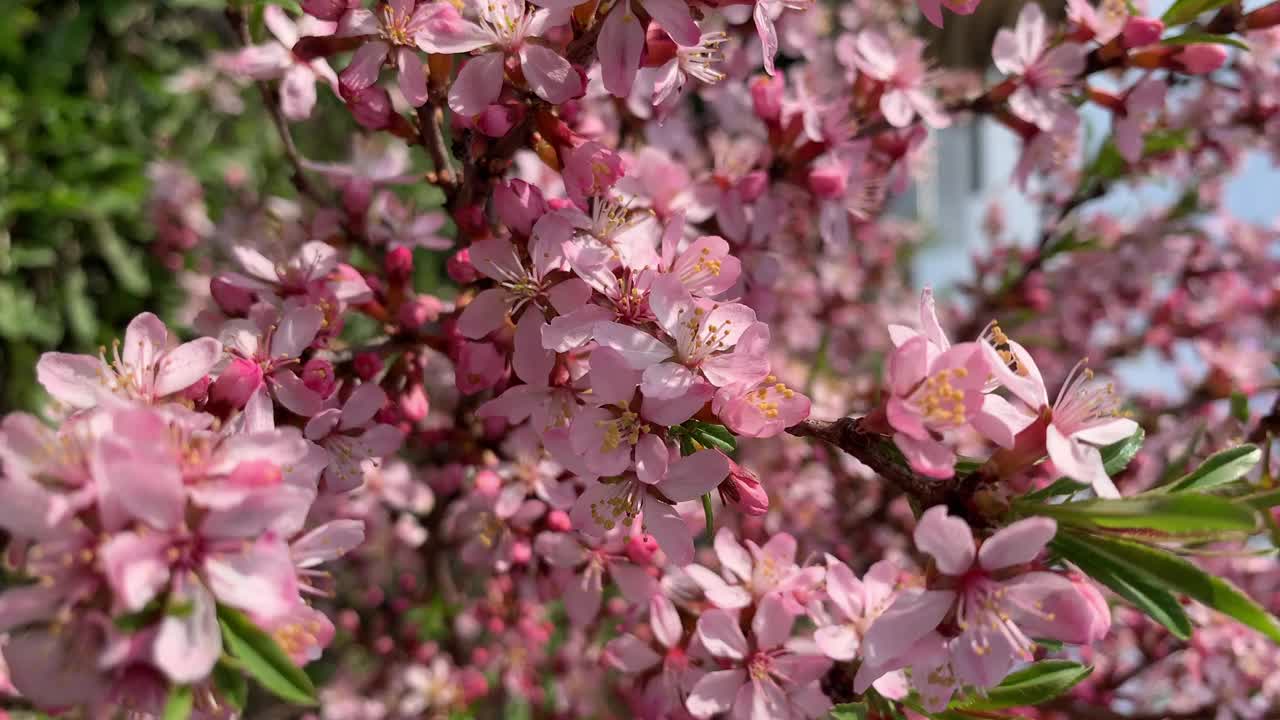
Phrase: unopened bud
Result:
[766,97]
[419,311]
[743,490]
[231,298]
[641,549]
[325,9]
[828,181]
[413,403]
[318,376]
[367,365]
[1141,31]
[1202,58]
[460,268]
[399,264]
[236,384]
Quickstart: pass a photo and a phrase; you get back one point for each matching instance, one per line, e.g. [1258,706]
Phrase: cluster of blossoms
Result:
[647,293]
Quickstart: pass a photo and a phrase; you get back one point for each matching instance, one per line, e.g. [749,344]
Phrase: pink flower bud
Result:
[752,185]
[1100,612]
[460,268]
[1202,58]
[659,48]
[488,483]
[319,377]
[766,97]
[325,9]
[521,552]
[256,474]
[419,311]
[474,684]
[367,365]
[743,490]
[357,194]
[413,403]
[236,384]
[399,264]
[497,120]
[232,299]
[558,520]
[827,181]
[371,108]
[198,390]
[641,549]
[1140,31]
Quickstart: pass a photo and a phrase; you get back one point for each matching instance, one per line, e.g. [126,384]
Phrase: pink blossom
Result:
[766,680]
[630,655]
[750,573]
[902,70]
[932,9]
[622,38]
[646,496]
[273,60]
[503,29]
[997,607]
[350,438]
[1083,418]
[151,367]
[391,30]
[1043,71]
[519,283]
[1143,99]
[761,410]
[937,392]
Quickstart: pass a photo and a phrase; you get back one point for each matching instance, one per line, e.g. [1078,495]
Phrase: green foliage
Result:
[179,704]
[1037,683]
[1183,514]
[1192,36]
[1219,469]
[259,656]
[1184,11]
[695,435]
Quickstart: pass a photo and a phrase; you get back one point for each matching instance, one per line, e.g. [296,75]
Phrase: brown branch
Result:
[271,99]
[431,130]
[877,451]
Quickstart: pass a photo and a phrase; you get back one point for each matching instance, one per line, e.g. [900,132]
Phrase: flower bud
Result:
[231,298]
[367,365]
[371,107]
[419,311]
[474,685]
[743,490]
[236,384]
[558,520]
[357,195]
[325,9]
[1099,611]
[399,264]
[1140,31]
[1202,58]
[413,403]
[766,97]
[641,549]
[460,268]
[827,181]
[659,48]
[318,376]
[197,391]
[488,483]
[497,120]
[521,552]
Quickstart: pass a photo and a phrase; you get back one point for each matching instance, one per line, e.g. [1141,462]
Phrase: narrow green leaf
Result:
[179,704]
[263,659]
[1264,500]
[706,510]
[1061,486]
[1032,685]
[1184,11]
[849,711]
[232,685]
[1191,36]
[1219,469]
[1158,604]
[1179,575]
[711,435]
[1117,455]
[1181,514]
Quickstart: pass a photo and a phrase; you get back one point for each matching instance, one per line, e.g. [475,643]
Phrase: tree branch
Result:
[270,98]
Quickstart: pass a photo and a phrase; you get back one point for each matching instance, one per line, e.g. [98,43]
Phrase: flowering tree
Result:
[587,475]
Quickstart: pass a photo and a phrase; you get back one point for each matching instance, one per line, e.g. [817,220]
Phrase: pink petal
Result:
[478,85]
[1018,543]
[1079,462]
[329,541]
[913,615]
[665,621]
[980,657]
[621,42]
[771,625]
[669,529]
[694,475]
[296,331]
[948,539]
[549,75]
[927,457]
[531,362]
[651,459]
[639,348]
[187,646]
[136,566]
[485,313]
[714,693]
[413,77]
[298,92]
[675,18]
[613,380]
[629,654]
[667,380]
[76,380]
[1107,432]
[365,402]
[260,580]
[768,34]
[733,557]
[362,72]
[838,642]
[717,591]
[719,633]
[186,364]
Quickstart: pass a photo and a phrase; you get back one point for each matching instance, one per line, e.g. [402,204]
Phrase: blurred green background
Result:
[88,100]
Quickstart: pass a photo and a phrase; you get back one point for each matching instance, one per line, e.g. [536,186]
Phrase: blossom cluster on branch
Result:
[564,484]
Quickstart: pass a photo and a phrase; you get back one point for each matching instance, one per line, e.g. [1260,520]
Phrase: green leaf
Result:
[1061,486]
[1182,576]
[711,435]
[1192,36]
[1221,468]
[1264,500]
[710,516]
[849,711]
[232,685]
[1032,685]
[134,621]
[1240,406]
[1181,514]
[1184,11]
[263,659]
[1158,604]
[179,704]
[1117,455]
